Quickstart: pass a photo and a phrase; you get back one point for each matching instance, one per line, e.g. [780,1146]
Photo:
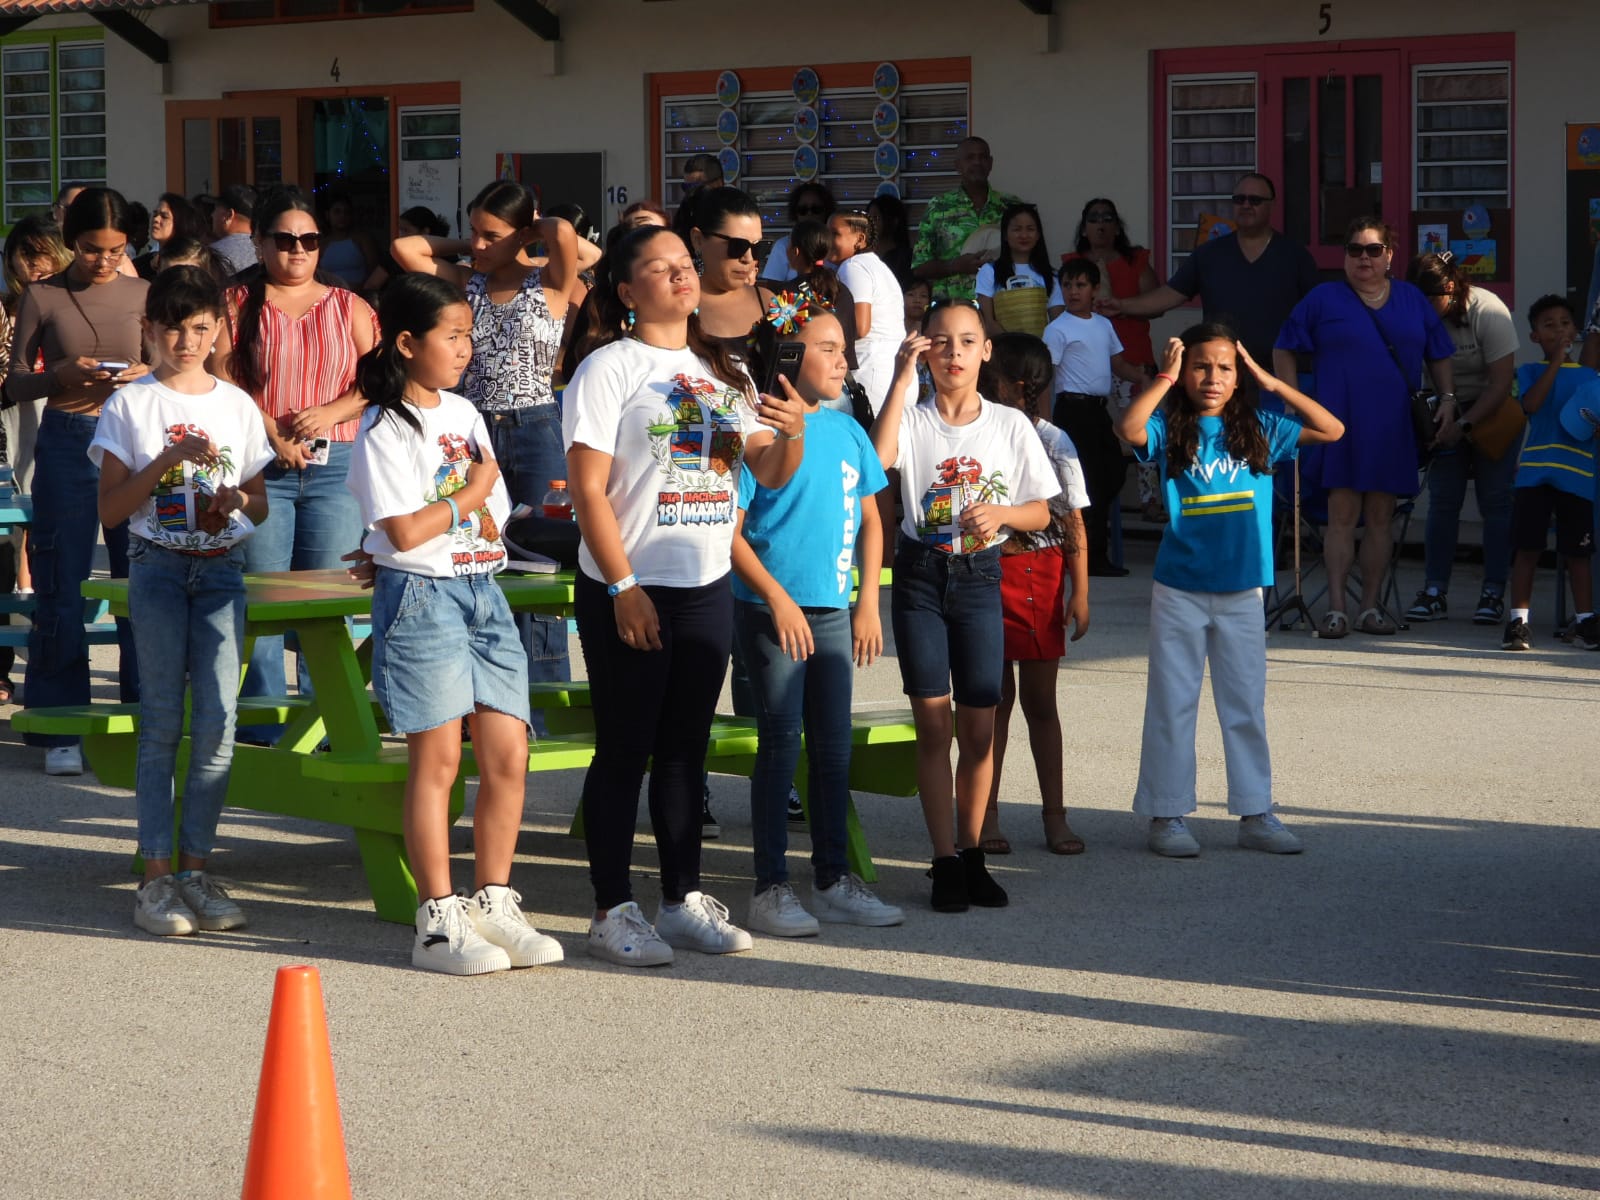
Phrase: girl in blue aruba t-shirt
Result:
[793,551]
[1216,451]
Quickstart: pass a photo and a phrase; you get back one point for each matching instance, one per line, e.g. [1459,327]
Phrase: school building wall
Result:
[1065,101]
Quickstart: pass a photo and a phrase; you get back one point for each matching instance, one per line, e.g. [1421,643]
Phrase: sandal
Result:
[1372,620]
[1058,835]
[1334,625]
[991,840]
[7,690]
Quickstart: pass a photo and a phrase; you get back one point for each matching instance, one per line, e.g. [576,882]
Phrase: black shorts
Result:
[1531,510]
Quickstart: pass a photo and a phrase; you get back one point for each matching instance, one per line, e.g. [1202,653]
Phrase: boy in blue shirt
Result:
[1555,474]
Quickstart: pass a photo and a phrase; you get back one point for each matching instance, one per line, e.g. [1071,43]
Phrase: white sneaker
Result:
[63,760]
[499,921]
[701,923]
[625,937]
[778,911]
[447,941]
[1170,838]
[159,908]
[212,906]
[851,902]
[1263,831]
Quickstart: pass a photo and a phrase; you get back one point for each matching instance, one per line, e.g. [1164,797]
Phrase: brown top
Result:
[68,321]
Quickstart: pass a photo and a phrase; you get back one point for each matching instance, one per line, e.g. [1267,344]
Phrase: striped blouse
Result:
[310,361]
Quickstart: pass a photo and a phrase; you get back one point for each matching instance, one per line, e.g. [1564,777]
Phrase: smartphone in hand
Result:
[786,364]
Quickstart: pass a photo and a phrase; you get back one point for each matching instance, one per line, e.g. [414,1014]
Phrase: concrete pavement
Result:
[1410,1009]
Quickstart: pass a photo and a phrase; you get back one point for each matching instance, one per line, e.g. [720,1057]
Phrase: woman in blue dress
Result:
[1369,337]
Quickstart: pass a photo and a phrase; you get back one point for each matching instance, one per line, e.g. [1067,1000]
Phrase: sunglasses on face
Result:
[809,210]
[1245,200]
[737,247]
[1370,249]
[1100,217]
[286,243]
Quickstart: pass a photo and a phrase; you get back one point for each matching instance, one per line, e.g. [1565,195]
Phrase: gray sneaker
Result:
[778,911]
[851,902]
[1264,831]
[1170,838]
[701,923]
[209,903]
[158,908]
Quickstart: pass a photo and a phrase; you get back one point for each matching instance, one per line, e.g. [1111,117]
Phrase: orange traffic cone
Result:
[297,1139]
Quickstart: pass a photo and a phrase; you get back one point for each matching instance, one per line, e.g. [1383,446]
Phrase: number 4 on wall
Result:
[1325,17]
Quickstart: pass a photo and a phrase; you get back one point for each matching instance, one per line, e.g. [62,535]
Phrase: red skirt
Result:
[1033,596]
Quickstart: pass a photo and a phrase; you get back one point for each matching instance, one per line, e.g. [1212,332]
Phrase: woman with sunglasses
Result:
[1125,272]
[733,305]
[808,202]
[1369,336]
[86,324]
[291,341]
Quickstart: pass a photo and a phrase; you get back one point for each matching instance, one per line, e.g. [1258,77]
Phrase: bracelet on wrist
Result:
[1171,380]
[455,511]
[791,437]
[626,583]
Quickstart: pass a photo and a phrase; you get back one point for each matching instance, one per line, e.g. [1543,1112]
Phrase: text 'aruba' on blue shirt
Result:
[1219,534]
[1551,455]
[805,532]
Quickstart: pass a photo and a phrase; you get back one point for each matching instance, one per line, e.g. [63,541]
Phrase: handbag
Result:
[1500,430]
[1424,403]
[1021,310]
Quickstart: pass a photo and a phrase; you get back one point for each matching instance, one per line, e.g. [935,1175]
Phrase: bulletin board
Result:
[1583,205]
[1479,238]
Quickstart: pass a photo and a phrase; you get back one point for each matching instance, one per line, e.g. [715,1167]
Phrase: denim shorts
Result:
[443,646]
[948,629]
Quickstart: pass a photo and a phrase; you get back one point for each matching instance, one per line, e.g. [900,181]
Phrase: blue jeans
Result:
[66,520]
[949,630]
[188,622]
[312,521]
[1447,489]
[816,692]
[527,445]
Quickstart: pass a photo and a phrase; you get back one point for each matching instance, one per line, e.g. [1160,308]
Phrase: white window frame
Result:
[1180,249]
[62,169]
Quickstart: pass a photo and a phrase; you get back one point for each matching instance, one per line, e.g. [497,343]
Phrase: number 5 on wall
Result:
[1325,13]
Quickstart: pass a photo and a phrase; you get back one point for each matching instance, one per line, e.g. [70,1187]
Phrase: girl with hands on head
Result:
[971,473]
[660,423]
[1216,450]
[794,550]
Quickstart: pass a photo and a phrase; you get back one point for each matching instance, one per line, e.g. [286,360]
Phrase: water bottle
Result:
[557,504]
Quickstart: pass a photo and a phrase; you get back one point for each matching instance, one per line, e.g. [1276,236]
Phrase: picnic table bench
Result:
[333,763]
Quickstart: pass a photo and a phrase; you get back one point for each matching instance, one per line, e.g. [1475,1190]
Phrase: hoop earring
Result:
[632,317]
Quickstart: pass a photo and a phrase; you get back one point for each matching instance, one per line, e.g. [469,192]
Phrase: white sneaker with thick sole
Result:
[778,911]
[1264,831]
[158,908]
[211,905]
[626,938]
[63,760]
[1170,838]
[448,941]
[499,920]
[701,923]
[851,902]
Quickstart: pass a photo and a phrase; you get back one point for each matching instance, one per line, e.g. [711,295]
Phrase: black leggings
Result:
[651,706]
[1087,422]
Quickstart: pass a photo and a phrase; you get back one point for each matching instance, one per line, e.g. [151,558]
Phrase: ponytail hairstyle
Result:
[713,207]
[1241,428]
[611,314]
[809,240]
[859,222]
[245,364]
[92,210]
[1024,360]
[411,304]
[182,251]
[1039,259]
[509,201]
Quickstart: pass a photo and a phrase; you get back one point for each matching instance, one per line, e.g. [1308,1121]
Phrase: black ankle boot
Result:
[949,885]
[982,890]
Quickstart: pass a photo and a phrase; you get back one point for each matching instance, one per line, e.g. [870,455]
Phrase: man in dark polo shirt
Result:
[1250,279]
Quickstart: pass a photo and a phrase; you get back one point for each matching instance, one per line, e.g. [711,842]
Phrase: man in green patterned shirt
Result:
[952,218]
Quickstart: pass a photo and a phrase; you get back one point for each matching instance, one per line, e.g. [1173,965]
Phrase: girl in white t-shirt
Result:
[879,302]
[658,422]
[1017,293]
[971,472]
[1044,587]
[445,645]
[180,457]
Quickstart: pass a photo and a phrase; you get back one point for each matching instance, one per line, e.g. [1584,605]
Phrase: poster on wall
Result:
[1478,237]
[1583,210]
